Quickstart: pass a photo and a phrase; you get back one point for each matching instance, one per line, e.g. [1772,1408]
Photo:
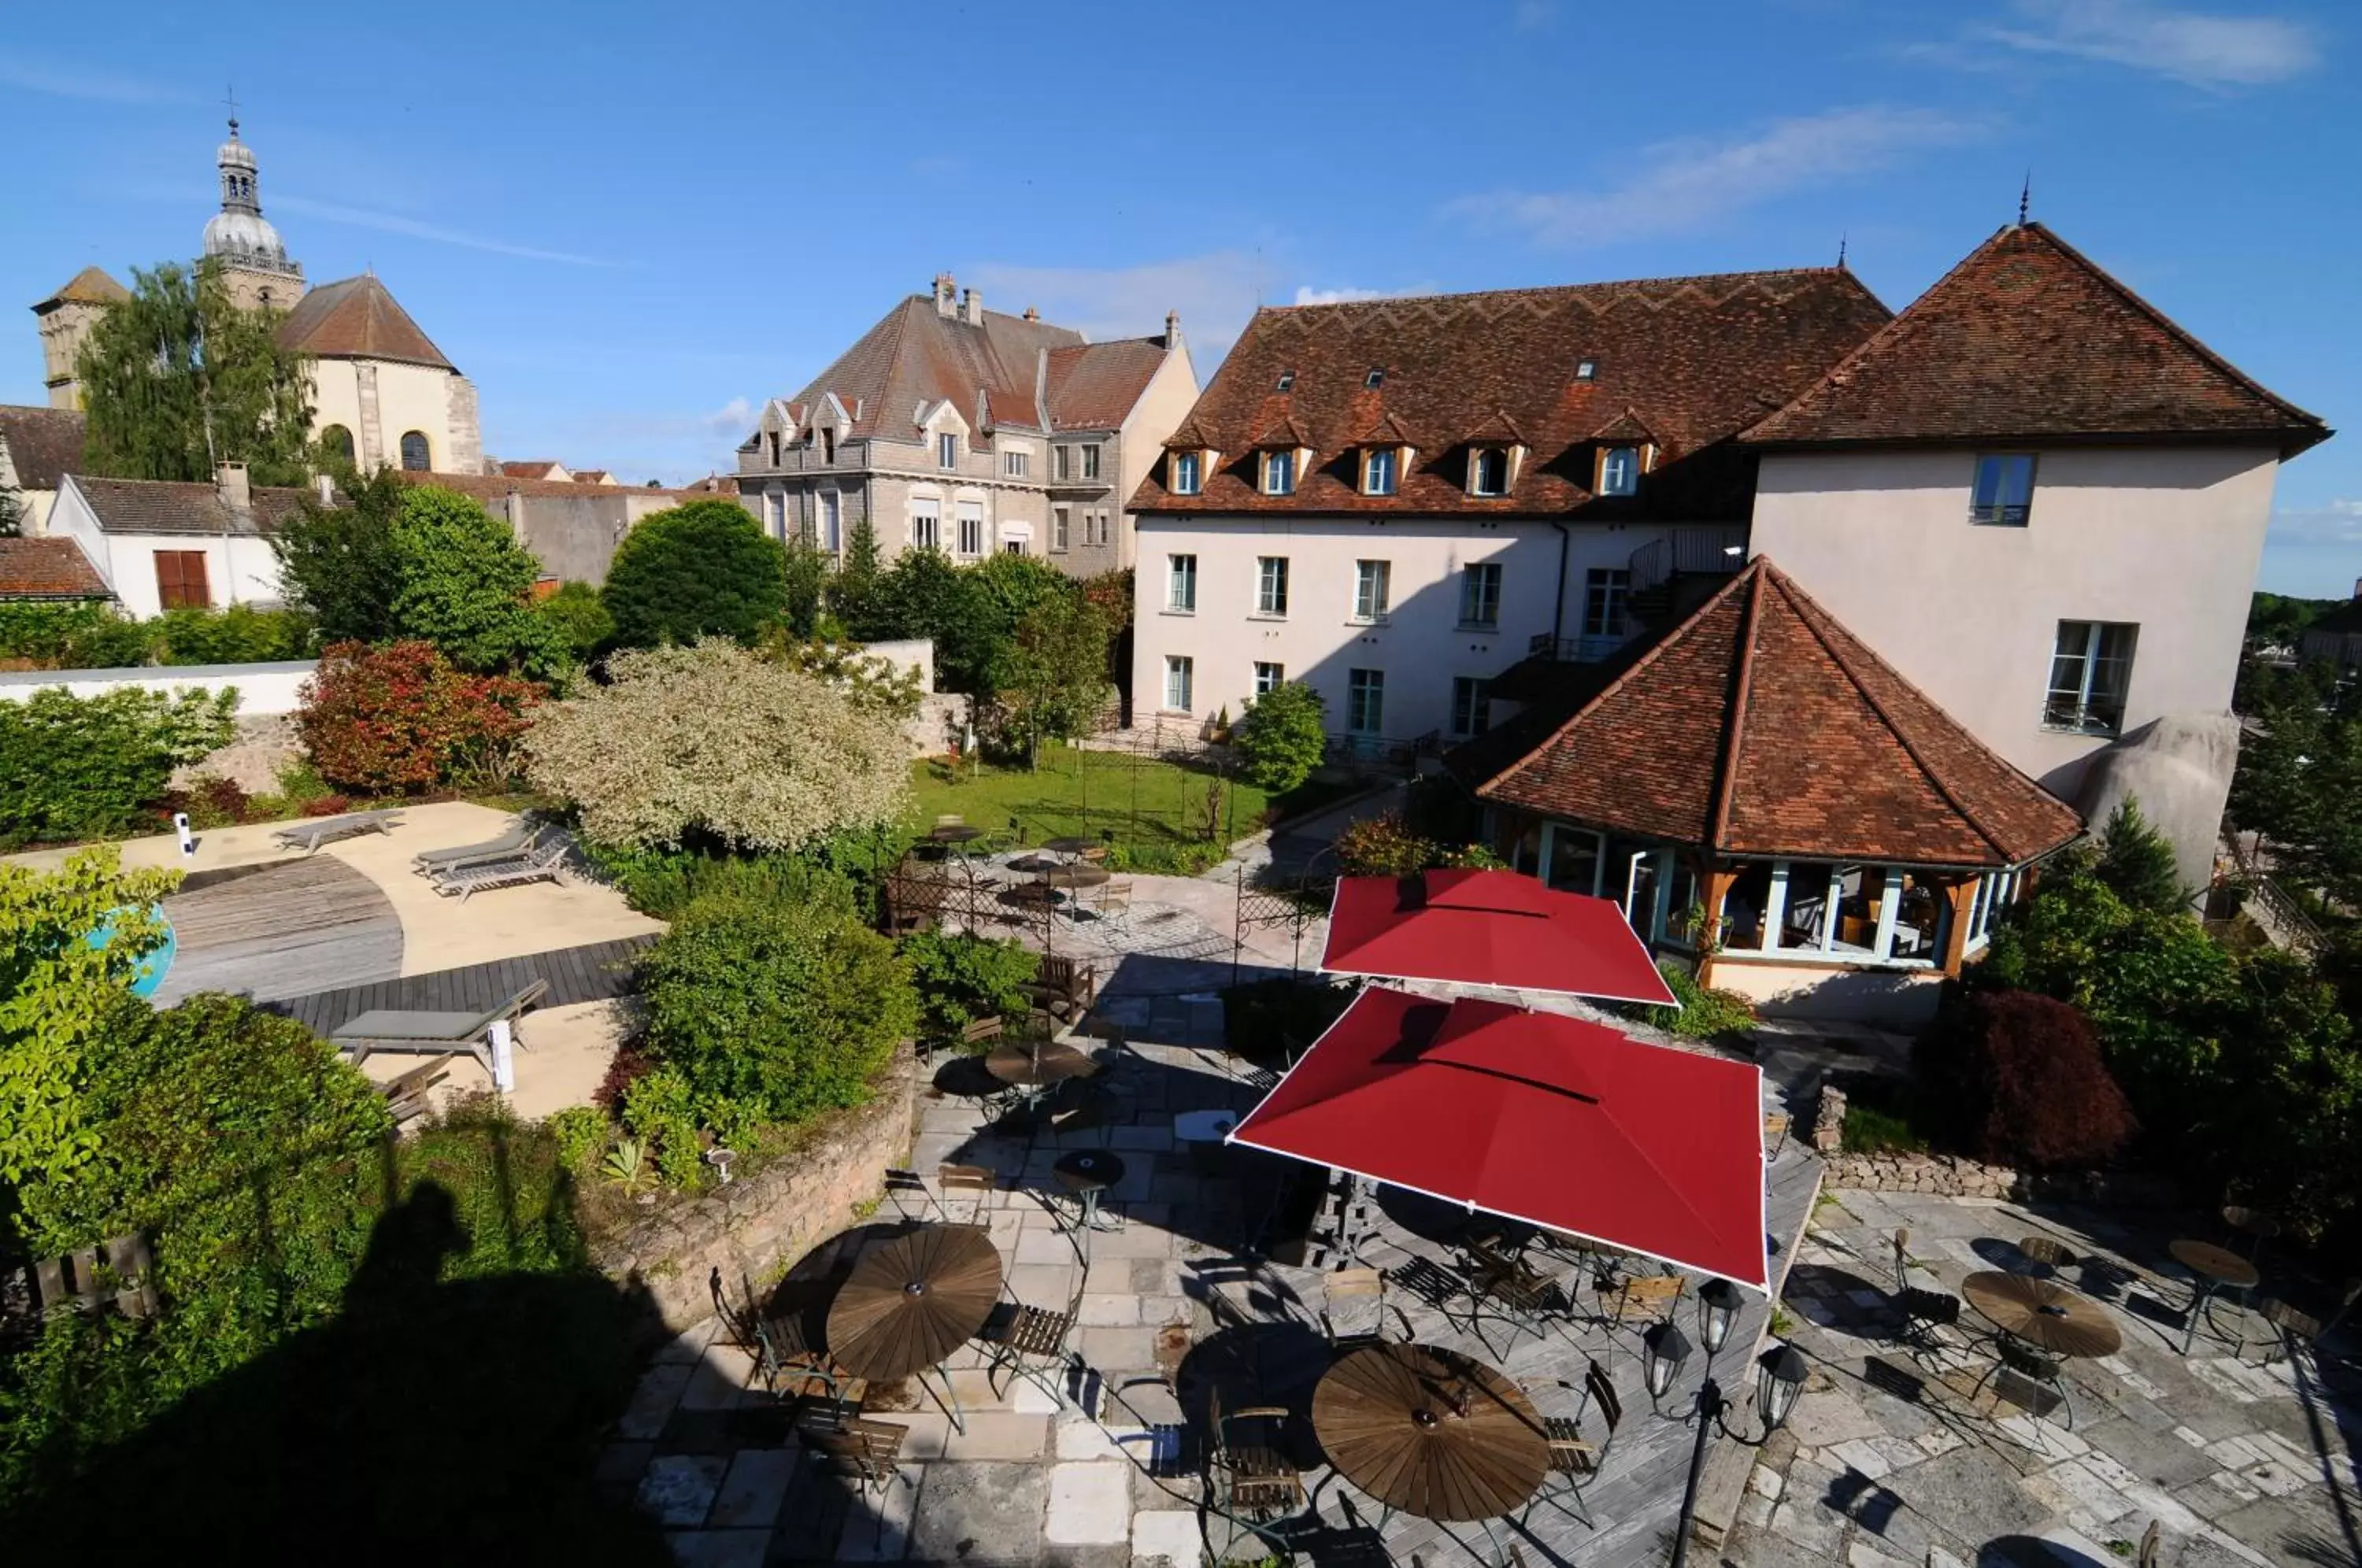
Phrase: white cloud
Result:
[2338,522]
[1686,185]
[394,223]
[733,419]
[1346,296]
[1214,293]
[2195,47]
[62,79]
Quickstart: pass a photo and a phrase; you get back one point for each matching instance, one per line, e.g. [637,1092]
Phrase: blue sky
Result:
[629,223]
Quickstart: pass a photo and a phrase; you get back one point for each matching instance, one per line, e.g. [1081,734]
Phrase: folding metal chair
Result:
[975,1182]
[912,1199]
[1578,1446]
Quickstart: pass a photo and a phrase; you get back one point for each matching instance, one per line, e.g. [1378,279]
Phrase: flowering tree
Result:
[716,740]
[400,718]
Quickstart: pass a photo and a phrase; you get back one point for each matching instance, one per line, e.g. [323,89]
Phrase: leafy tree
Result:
[1054,675]
[401,718]
[853,594]
[962,978]
[925,595]
[2136,862]
[462,582]
[65,1003]
[83,768]
[805,597]
[774,1011]
[177,377]
[701,570]
[581,617]
[715,741]
[1281,737]
[2018,1077]
[338,565]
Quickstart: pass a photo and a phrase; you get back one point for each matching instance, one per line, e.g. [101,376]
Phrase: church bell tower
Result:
[254,260]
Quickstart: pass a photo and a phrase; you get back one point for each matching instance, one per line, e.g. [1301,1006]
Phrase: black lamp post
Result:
[1779,1378]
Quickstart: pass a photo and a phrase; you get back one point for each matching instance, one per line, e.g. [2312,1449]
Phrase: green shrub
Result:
[660,1110]
[238,633]
[91,634]
[579,1133]
[698,570]
[1870,1129]
[75,767]
[1701,1013]
[660,883]
[962,978]
[1281,737]
[580,616]
[1386,846]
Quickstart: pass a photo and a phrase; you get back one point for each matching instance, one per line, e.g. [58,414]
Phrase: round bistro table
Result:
[1087,1174]
[2043,1313]
[911,1301]
[1430,1432]
[1073,843]
[2216,1269]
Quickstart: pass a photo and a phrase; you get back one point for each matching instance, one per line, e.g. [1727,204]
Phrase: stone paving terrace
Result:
[1171,1308]
[1892,1456]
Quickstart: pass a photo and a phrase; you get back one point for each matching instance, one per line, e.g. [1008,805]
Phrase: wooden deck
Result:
[272,932]
[598,971]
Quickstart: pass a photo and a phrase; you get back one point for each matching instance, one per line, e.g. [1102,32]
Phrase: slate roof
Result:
[2026,339]
[1694,360]
[177,506]
[1696,739]
[91,285]
[44,444]
[356,318]
[48,569]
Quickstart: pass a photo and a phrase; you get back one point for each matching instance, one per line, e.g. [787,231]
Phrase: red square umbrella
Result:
[1489,928]
[1536,1117]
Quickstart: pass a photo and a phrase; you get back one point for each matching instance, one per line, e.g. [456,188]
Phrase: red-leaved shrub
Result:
[401,719]
[2019,1080]
[328,805]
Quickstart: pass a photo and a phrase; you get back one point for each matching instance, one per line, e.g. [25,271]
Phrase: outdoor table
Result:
[1033,1070]
[956,837]
[1078,877]
[1430,1432]
[2045,1314]
[1087,1174]
[2218,1269]
[1072,844]
[911,1301]
[1035,865]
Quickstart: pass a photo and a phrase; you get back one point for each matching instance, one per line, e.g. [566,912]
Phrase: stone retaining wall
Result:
[755,1227]
[1950,1176]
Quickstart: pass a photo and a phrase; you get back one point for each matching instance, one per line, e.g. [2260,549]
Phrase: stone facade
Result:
[749,1232]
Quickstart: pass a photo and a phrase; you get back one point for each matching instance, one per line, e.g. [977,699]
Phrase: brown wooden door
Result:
[181,579]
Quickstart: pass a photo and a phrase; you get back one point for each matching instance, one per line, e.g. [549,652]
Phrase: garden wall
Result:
[262,689]
[755,1227]
[1951,1175]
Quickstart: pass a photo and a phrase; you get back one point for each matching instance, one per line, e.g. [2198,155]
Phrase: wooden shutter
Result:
[181,579]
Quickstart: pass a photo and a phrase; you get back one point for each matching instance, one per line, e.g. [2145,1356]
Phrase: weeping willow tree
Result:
[178,378]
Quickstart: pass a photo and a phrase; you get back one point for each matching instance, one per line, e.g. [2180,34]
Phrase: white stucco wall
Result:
[240,568]
[2166,539]
[1166,400]
[1421,647]
[262,689]
[409,397]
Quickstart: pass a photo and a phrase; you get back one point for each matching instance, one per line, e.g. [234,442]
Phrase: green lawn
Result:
[1156,810]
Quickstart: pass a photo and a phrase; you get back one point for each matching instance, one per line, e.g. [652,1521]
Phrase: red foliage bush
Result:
[2019,1078]
[401,719]
[628,1067]
[328,806]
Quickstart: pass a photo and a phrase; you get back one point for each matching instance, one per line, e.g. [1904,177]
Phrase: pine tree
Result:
[2136,862]
[178,378]
[853,595]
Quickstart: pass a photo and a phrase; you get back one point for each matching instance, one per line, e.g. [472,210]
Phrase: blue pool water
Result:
[152,968]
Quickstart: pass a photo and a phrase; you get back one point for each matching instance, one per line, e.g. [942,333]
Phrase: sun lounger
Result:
[540,864]
[309,837]
[515,841]
[433,1033]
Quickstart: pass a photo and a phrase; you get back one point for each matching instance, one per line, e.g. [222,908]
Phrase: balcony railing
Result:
[1712,550]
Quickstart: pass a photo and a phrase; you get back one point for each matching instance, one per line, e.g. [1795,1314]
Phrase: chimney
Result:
[1172,329]
[326,486]
[972,307]
[946,295]
[1033,314]
[229,483]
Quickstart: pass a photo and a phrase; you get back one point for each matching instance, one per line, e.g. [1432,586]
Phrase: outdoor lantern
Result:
[1718,1310]
[1779,1378]
[1662,1350]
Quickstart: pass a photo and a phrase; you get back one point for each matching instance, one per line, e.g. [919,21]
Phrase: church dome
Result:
[240,236]
[233,153]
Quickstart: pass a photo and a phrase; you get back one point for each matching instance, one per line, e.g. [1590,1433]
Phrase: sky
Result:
[629,224]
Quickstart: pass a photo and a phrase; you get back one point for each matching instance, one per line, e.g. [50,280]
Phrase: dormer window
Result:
[1279,472]
[1378,470]
[1488,471]
[1619,471]
[1185,473]
[1375,379]
[947,450]
[1286,381]
[1587,370]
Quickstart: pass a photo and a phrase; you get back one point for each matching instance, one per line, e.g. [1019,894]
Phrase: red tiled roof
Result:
[1697,358]
[48,569]
[2026,339]
[184,506]
[1096,385]
[1761,726]
[537,468]
[489,487]
[44,444]
[356,318]
[91,285]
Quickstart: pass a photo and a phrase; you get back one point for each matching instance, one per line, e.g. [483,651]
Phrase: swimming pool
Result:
[153,968]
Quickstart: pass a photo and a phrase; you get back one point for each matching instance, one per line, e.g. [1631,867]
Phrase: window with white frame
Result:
[1062,462]
[775,514]
[1180,683]
[1471,704]
[1619,471]
[1480,594]
[1268,677]
[2091,672]
[831,521]
[926,525]
[1015,464]
[1181,584]
[1992,896]
[971,528]
[1062,519]
[1607,592]
[1271,585]
[1091,460]
[1378,471]
[1488,471]
[947,450]
[1107,526]
[1372,589]
[1185,473]
[1365,701]
[2002,492]
[1888,915]
[1279,473]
